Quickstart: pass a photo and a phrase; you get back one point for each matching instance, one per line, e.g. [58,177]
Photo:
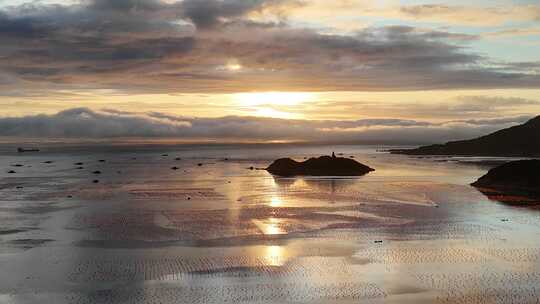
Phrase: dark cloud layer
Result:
[86,123]
[149,46]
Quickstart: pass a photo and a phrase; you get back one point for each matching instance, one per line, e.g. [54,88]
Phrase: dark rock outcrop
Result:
[22,150]
[321,166]
[514,178]
[521,141]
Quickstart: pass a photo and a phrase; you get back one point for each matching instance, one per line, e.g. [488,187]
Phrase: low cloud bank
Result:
[86,123]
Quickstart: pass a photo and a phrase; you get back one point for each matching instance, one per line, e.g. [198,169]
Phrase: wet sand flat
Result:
[411,232]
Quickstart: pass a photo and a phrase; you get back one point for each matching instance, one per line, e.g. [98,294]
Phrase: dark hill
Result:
[321,166]
[522,140]
[523,174]
[514,178]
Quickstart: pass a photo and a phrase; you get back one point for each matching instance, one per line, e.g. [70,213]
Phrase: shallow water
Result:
[411,232]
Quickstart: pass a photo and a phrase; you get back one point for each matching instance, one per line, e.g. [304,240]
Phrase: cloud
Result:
[210,13]
[471,15]
[485,104]
[82,122]
[152,46]
[494,13]
[513,32]
[91,124]
[461,107]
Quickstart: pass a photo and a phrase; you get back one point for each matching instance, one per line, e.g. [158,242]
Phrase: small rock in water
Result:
[321,166]
[19,187]
[178,158]
[505,220]
[251,168]
[17,165]
[174,168]
[95,181]
[164,154]
[11,172]
[97,172]
[188,198]
[78,164]
[70,196]
[199,164]
[101,160]
[79,168]
[48,162]
[378,242]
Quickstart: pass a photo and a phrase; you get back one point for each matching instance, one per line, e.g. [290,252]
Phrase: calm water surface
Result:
[413,231]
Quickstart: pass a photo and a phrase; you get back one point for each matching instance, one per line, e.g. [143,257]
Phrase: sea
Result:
[205,223]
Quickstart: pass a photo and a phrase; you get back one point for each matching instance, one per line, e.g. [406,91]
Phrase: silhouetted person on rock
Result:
[333,155]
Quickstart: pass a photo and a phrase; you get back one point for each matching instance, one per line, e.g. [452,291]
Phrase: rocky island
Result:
[517,178]
[521,141]
[320,166]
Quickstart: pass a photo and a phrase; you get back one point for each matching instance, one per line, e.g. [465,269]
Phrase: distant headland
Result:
[518,141]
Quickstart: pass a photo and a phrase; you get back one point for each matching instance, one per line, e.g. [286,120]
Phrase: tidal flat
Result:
[214,231]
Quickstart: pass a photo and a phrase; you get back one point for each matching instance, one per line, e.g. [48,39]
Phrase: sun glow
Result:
[273,98]
[273,104]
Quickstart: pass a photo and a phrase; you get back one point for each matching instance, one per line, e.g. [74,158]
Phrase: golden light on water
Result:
[276,202]
[270,226]
[274,255]
[273,227]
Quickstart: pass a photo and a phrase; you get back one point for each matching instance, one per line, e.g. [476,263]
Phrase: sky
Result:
[412,71]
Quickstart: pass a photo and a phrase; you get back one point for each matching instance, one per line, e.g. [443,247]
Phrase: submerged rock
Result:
[321,166]
[514,178]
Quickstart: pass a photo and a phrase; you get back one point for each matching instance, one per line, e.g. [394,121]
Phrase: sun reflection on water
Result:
[276,202]
[274,255]
[270,226]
